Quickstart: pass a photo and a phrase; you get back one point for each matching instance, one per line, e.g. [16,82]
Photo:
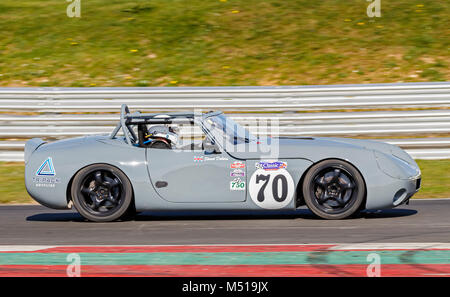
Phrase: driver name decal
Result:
[198,159]
[216,158]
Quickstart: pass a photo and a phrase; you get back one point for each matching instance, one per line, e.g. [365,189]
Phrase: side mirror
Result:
[210,147]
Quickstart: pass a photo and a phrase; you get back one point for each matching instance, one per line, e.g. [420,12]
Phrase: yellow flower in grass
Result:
[360,24]
[173,82]
[225,67]
[347,20]
[235,11]
[134,50]
[420,5]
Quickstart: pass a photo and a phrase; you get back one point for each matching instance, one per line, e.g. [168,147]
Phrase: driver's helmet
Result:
[163,132]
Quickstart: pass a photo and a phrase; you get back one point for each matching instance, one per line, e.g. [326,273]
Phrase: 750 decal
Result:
[237,185]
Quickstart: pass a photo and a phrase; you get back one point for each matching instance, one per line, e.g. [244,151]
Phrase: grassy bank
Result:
[222,42]
[435,176]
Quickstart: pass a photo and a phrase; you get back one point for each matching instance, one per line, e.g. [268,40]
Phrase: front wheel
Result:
[333,189]
[102,193]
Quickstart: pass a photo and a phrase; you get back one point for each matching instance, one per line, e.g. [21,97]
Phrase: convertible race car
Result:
[149,164]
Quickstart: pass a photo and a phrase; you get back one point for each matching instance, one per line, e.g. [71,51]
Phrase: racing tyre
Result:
[333,189]
[102,193]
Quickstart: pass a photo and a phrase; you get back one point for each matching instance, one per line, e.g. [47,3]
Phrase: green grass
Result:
[435,177]
[12,186]
[221,43]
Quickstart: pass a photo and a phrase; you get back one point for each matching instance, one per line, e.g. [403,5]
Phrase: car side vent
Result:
[161,184]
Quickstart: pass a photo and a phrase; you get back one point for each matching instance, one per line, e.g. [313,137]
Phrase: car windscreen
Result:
[231,131]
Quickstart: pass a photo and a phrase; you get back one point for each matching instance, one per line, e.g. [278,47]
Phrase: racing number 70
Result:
[275,181]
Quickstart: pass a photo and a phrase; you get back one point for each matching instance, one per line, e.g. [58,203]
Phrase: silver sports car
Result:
[206,161]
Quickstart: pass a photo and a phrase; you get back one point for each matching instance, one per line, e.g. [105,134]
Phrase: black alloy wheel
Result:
[102,193]
[333,189]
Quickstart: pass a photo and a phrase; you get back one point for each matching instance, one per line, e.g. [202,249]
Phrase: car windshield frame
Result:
[231,131]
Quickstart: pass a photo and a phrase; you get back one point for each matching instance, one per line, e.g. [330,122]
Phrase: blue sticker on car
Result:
[47,168]
[273,165]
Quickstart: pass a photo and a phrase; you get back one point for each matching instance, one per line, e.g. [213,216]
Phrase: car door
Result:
[196,175]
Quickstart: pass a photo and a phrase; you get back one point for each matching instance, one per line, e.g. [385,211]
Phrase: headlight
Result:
[396,167]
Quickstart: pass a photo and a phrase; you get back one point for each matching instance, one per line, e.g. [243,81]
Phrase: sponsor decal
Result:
[270,165]
[237,164]
[237,185]
[198,159]
[237,173]
[46,182]
[46,169]
[45,175]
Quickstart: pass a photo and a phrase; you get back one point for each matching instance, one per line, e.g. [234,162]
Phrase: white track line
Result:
[332,246]
[24,248]
[391,246]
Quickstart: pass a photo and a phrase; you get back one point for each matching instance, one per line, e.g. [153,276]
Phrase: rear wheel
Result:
[102,193]
[333,189]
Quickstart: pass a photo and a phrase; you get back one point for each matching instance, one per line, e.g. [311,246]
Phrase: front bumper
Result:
[410,187]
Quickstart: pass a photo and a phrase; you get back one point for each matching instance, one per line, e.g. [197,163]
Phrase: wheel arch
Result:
[69,185]
[300,201]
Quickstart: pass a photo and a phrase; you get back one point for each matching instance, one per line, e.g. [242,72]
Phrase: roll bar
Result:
[128,120]
[127,130]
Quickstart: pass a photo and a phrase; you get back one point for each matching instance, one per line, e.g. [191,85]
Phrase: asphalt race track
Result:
[421,221]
